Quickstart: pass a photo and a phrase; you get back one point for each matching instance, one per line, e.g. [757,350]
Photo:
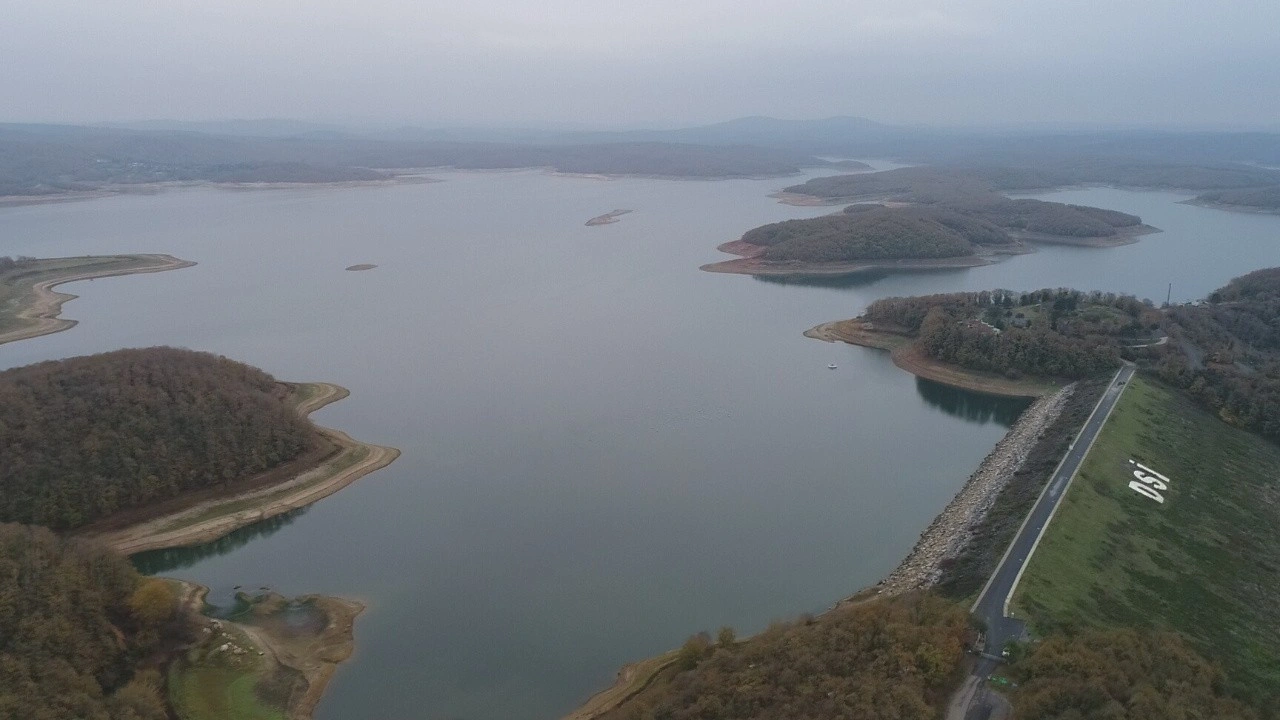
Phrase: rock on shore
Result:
[948,534]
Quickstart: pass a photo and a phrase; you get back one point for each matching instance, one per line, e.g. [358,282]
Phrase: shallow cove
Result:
[605,449]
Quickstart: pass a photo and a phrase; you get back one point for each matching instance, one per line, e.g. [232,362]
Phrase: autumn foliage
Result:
[84,437]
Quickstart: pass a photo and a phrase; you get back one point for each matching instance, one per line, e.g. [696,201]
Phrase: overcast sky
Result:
[643,62]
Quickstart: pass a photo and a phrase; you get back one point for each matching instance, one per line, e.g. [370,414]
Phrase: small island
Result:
[916,219]
[607,218]
[29,306]
[361,266]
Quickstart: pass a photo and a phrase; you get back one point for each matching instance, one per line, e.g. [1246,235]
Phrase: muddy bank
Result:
[210,518]
[951,530]
[287,648]
[38,306]
[1123,236]
[360,267]
[908,357]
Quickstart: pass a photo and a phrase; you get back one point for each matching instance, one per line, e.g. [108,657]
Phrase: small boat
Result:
[831,366]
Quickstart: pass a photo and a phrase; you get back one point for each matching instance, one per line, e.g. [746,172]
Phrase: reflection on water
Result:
[156,562]
[972,406]
[850,281]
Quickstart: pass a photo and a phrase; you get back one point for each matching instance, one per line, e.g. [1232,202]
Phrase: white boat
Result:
[831,366]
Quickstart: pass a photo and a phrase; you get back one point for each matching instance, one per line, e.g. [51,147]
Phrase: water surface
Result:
[604,449]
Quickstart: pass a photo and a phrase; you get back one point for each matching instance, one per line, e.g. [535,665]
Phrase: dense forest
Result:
[872,232]
[895,658]
[87,436]
[1120,675]
[76,624]
[1053,333]
[1261,198]
[1226,352]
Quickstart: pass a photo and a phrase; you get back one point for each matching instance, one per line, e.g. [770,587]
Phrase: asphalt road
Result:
[992,605]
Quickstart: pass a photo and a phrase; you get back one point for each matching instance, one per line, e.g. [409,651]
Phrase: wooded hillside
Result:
[871,232]
[895,658]
[76,622]
[87,436]
[1226,352]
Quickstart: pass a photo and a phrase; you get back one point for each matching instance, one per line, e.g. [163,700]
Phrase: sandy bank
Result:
[906,356]
[292,647]
[606,219]
[211,518]
[632,679]
[38,309]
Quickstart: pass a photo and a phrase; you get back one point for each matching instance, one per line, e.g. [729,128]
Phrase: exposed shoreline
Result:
[212,518]
[410,176]
[315,661]
[902,350]
[1231,207]
[40,313]
[751,264]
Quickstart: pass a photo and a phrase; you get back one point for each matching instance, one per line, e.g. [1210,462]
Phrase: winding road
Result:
[992,606]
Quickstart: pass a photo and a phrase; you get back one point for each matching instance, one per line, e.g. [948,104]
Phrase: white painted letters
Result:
[1149,483]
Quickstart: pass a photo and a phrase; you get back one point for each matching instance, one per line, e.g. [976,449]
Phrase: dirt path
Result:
[213,518]
[39,313]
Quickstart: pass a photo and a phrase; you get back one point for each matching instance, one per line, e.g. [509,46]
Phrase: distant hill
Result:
[44,159]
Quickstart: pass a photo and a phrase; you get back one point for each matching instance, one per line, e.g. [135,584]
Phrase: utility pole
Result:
[1169,295]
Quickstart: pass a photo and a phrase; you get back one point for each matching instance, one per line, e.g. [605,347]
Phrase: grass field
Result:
[1205,562]
[209,685]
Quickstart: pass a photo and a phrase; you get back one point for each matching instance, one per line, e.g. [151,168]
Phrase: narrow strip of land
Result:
[215,517]
[30,307]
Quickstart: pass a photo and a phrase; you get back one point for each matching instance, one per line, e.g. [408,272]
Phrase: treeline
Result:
[872,232]
[1054,333]
[9,263]
[76,624]
[894,658]
[1226,352]
[41,160]
[1263,198]
[84,437]
[932,183]
[1039,216]
[1120,675]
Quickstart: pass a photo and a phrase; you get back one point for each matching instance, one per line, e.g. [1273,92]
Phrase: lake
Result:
[604,449]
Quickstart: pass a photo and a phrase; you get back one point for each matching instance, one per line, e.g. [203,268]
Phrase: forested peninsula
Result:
[160,447]
[29,306]
[1261,199]
[918,218]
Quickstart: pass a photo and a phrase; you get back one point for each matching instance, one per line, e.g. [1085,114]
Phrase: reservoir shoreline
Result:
[273,493]
[38,312]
